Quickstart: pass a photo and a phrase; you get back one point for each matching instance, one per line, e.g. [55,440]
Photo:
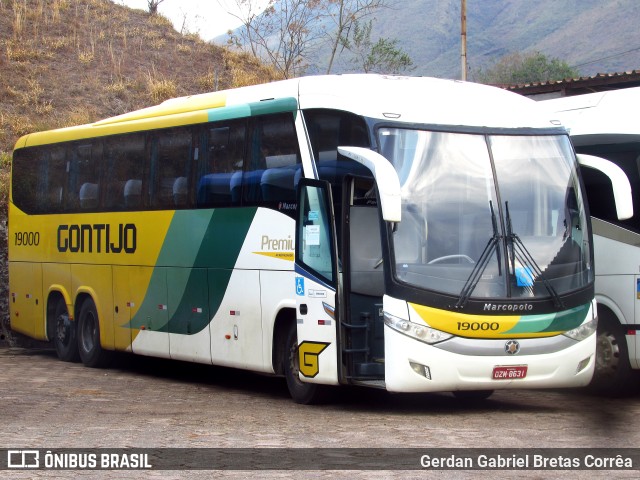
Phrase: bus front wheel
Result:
[301,392]
[91,352]
[612,370]
[64,333]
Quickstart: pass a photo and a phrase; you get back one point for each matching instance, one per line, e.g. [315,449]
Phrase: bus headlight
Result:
[419,332]
[583,331]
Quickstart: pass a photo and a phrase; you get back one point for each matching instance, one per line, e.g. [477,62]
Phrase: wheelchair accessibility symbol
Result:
[300,286]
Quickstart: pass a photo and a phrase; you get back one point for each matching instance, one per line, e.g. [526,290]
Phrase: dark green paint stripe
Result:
[553,322]
[569,319]
[274,106]
[193,269]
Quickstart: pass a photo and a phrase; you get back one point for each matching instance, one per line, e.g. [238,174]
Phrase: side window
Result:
[124,167]
[314,231]
[171,159]
[599,194]
[39,176]
[598,186]
[220,163]
[27,172]
[83,192]
[329,129]
[55,178]
[273,166]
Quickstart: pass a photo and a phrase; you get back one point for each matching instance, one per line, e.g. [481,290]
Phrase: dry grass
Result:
[69,62]
[160,88]
[243,69]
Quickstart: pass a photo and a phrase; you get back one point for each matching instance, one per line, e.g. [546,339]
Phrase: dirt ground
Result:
[152,403]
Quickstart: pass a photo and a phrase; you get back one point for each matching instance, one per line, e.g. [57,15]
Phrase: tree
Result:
[153,6]
[345,15]
[518,68]
[283,34]
[289,31]
[384,56]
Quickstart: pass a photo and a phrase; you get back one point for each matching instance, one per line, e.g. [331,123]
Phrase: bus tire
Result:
[613,373]
[301,392]
[91,352]
[64,333]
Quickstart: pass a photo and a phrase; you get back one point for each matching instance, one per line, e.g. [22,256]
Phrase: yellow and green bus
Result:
[412,234]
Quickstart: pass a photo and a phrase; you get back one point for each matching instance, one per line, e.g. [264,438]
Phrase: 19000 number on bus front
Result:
[478,326]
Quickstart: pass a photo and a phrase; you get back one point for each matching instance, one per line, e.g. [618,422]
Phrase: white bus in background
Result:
[604,125]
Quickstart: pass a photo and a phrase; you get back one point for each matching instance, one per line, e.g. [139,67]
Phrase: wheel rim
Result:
[608,353]
[88,332]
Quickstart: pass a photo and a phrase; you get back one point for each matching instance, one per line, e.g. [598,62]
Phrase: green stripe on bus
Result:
[264,107]
[194,258]
[569,319]
[229,113]
[274,106]
[553,322]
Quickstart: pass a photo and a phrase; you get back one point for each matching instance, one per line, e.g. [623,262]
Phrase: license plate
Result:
[509,373]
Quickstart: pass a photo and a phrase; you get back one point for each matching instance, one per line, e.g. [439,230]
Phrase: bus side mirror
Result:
[386,179]
[619,182]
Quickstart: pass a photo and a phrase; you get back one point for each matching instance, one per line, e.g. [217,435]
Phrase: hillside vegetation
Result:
[66,62]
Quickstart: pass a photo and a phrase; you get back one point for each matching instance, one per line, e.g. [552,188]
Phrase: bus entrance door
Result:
[363,327]
[316,283]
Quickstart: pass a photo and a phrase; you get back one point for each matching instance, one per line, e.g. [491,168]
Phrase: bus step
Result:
[370,383]
[369,369]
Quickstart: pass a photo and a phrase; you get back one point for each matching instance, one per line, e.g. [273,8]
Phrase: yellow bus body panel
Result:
[117,282]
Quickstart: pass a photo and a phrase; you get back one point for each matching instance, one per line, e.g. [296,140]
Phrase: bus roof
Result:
[405,99]
[605,114]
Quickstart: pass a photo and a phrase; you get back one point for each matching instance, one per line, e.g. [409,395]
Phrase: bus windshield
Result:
[488,216]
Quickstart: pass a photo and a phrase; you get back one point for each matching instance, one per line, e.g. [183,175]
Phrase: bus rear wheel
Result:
[301,392]
[91,352]
[64,333]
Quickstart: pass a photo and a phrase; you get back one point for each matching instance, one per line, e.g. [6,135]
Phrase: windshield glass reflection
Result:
[455,236]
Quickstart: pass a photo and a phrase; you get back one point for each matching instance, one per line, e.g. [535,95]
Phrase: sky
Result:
[208,18]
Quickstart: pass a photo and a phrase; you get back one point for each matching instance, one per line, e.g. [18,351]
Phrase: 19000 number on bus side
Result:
[26,239]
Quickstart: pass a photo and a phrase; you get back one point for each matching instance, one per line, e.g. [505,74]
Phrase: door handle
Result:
[304,309]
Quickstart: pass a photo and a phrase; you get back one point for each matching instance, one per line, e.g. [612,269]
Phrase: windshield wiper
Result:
[483,261]
[519,252]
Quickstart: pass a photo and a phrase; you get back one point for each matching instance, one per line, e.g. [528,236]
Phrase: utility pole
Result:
[463,34]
